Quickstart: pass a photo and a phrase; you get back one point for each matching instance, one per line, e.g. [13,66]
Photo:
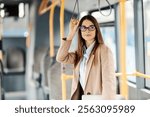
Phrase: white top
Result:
[83,64]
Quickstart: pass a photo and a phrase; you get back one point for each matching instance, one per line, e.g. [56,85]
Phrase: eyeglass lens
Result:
[90,28]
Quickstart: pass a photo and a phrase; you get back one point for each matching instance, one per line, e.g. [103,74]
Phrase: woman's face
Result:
[88,30]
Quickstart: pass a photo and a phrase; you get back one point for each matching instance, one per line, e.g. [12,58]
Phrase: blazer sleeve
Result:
[108,74]
[63,56]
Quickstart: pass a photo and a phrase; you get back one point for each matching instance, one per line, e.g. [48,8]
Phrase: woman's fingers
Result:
[74,21]
[74,24]
[73,27]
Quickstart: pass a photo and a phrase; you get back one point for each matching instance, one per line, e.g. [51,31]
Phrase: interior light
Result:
[2,13]
[26,34]
[21,10]
[2,5]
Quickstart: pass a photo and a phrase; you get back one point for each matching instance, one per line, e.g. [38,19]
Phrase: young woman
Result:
[94,72]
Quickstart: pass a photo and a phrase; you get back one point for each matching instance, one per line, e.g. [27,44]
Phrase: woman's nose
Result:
[87,30]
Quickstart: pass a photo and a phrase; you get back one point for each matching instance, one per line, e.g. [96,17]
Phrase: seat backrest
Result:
[15,58]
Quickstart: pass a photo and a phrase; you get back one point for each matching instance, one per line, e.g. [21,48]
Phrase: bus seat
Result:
[14,60]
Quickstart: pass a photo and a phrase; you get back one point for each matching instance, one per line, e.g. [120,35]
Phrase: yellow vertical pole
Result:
[51,29]
[124,86]
[64,94]
[61,36]
[62,19]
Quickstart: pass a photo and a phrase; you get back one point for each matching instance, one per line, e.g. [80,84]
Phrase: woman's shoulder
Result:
[104,48]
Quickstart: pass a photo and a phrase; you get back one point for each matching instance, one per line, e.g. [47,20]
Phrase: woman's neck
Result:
[88,43]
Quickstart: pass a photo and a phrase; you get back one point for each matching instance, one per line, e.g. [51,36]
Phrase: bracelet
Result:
[64,38]
[0,44]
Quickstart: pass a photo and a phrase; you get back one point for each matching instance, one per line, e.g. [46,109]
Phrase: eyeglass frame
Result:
[87,28]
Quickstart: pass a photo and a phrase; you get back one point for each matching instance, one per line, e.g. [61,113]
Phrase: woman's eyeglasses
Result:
[84,28]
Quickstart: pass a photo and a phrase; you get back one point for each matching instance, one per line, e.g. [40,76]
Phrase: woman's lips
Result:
[87,35]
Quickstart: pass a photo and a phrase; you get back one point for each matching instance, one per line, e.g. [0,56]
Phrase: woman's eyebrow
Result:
[87,26]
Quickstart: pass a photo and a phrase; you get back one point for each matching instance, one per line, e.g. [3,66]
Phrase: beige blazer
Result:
[98,81]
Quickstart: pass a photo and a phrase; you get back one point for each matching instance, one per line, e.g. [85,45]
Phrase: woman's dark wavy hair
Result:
[81,41]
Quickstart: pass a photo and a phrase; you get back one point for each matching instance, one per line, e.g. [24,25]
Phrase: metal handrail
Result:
[65,77]
[44,8]
[135,74]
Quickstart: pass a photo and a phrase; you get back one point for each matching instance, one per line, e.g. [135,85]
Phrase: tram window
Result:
[109,39]
[11,10]
[146,6]
[14,28]
[104,19]
[107,29]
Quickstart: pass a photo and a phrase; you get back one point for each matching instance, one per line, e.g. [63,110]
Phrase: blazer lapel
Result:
[77,71]
[88,67]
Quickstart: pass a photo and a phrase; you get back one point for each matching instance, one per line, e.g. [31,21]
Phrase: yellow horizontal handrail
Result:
[65,77]
[135,74]
[142,75]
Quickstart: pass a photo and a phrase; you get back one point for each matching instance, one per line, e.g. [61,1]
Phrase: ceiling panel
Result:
[85,5]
